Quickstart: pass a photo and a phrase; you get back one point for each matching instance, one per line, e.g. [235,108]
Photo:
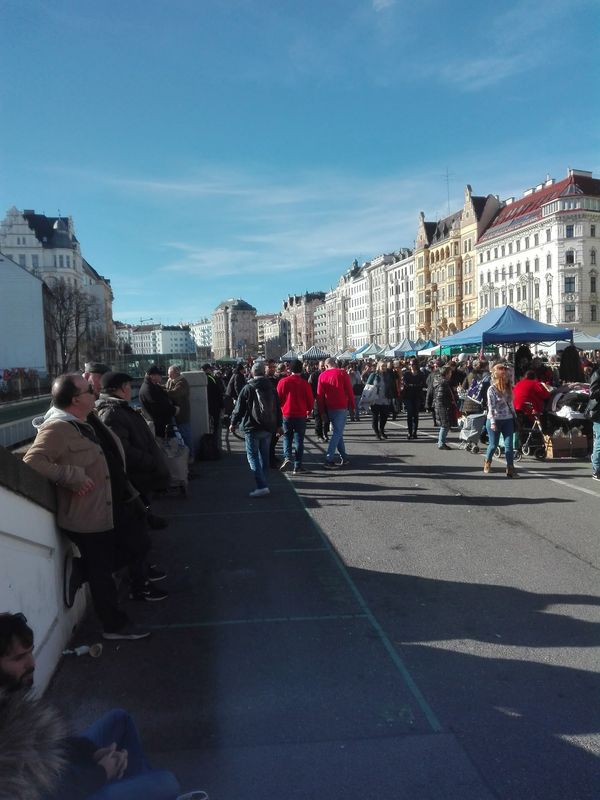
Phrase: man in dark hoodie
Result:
[107,761]
[156,402]
[258,412]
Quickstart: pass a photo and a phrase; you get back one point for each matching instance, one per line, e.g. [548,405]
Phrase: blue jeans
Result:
[257,453]
[294,429]
[336,438]
[185,429]
[442,435]
[139,779]
[506,427]
[596,449]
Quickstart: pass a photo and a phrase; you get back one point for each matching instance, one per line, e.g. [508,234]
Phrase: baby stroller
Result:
[531,434]
[469,435]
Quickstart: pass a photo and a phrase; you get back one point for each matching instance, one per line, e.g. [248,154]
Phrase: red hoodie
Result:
[295,396]
[334,390]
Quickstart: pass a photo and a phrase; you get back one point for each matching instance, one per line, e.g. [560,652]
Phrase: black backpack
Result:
[263,408]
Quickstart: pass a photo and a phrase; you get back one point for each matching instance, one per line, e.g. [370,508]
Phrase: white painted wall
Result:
[22,341]
[32,553]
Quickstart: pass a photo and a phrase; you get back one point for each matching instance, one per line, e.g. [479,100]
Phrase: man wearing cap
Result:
[296,398]
[93,372]
[155,401]
[146,466]
[97,506]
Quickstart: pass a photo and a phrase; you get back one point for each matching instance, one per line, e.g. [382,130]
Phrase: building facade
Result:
[272,335]
[23,341]
[540,253]
[155,339]
[299,313]
[234,331]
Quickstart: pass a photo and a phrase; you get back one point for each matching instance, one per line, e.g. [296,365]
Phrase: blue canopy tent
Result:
[405,348]
[506,325]
[429,345]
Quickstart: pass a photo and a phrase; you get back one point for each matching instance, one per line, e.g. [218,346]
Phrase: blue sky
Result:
[217,148]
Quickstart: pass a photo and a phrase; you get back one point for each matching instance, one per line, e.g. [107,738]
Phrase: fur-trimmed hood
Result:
[32,740]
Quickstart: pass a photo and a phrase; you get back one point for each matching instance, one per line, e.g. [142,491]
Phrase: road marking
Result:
[385,641]
[252,621]
[561,482]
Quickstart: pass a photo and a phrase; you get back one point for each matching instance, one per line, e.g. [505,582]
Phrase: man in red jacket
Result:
[296,398]
[335,398]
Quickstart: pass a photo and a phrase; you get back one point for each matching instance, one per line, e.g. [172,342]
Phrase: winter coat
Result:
[145,463]
[32,747]
[444,403]
[386,387]
[413,386]
[214,395]
[242,413]
[178,390]
[235,385]
[66,456]
[155,402]
[295,396]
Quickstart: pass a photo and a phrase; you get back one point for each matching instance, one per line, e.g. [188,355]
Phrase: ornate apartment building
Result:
[272,332]
[540,253]
[446,287]
[234,331]
[299,312]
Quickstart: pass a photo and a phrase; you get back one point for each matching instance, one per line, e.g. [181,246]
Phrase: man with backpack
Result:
[258,413]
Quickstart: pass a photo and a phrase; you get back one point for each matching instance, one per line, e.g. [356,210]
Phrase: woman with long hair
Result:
[500,417]
[384,383]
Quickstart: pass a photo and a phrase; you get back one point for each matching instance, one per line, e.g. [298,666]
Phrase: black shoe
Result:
[384,435]
[330,465]
[154,574]
[596,476]
[149,594]
[129,631]
[414,436]
[378,435]
[155,522]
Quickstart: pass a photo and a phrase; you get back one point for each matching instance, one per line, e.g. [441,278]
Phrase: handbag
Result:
[369,395]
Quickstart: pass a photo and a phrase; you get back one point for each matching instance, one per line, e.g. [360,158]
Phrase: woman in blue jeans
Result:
[500,418]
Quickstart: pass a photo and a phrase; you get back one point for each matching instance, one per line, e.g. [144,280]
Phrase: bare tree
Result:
[72,318]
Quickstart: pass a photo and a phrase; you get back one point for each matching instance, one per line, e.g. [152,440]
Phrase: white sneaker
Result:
[260,492]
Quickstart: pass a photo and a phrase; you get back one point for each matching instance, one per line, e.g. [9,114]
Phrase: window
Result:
[510,295]
[593,258]
[487,255]
[524,293]
[548,315]
[570,257]
[593,284]
[527,265]
[536,239]
[61,261]
[570,231]
[548,261]
[518,267]
[510,248]
[526,242]
[592,230]
[518,245]
[536,264]
[569,312]
[536,291]
[593,313]
[503,251]
[495,252]
[489,277]
[22,260]
[481,258]
[495,276]
[68,261]
[570,283]
[510,270]
[518,294]
[548,234]
[35,261]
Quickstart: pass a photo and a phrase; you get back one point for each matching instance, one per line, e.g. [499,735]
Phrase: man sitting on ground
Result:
[105,763]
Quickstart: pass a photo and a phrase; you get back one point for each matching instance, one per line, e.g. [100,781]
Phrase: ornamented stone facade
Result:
[234,329]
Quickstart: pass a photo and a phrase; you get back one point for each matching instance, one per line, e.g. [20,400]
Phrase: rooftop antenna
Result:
[448,175]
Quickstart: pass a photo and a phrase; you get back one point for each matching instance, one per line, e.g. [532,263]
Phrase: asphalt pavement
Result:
[403,627]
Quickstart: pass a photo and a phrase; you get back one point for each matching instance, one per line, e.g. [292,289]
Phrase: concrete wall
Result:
[199,405]
[32,553]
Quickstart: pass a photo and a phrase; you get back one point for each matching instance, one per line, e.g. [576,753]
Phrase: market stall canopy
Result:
[371,350]
[427,346]
[506,325]
[430,351]
[289,356]
[405,348]
[315,353]
[361,349]
[349,354]
[582,341]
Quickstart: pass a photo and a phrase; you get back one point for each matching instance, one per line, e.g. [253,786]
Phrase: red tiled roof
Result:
[529,208]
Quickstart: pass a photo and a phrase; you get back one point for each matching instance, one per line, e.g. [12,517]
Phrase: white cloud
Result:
[380,5]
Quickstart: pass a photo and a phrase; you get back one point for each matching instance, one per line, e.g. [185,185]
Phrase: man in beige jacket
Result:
[97,506]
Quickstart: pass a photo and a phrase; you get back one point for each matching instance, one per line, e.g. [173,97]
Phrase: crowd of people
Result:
[107,466]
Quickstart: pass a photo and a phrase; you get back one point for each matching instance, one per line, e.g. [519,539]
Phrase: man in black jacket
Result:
[34,750]
[146,466]
[155,401]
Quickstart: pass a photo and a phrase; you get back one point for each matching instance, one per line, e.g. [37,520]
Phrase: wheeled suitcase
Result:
[177,457]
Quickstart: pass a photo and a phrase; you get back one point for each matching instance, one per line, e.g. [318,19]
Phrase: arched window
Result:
[536,264]
[593,258]
[548,261]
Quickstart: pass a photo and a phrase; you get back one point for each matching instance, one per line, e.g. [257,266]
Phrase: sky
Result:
[209,149]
